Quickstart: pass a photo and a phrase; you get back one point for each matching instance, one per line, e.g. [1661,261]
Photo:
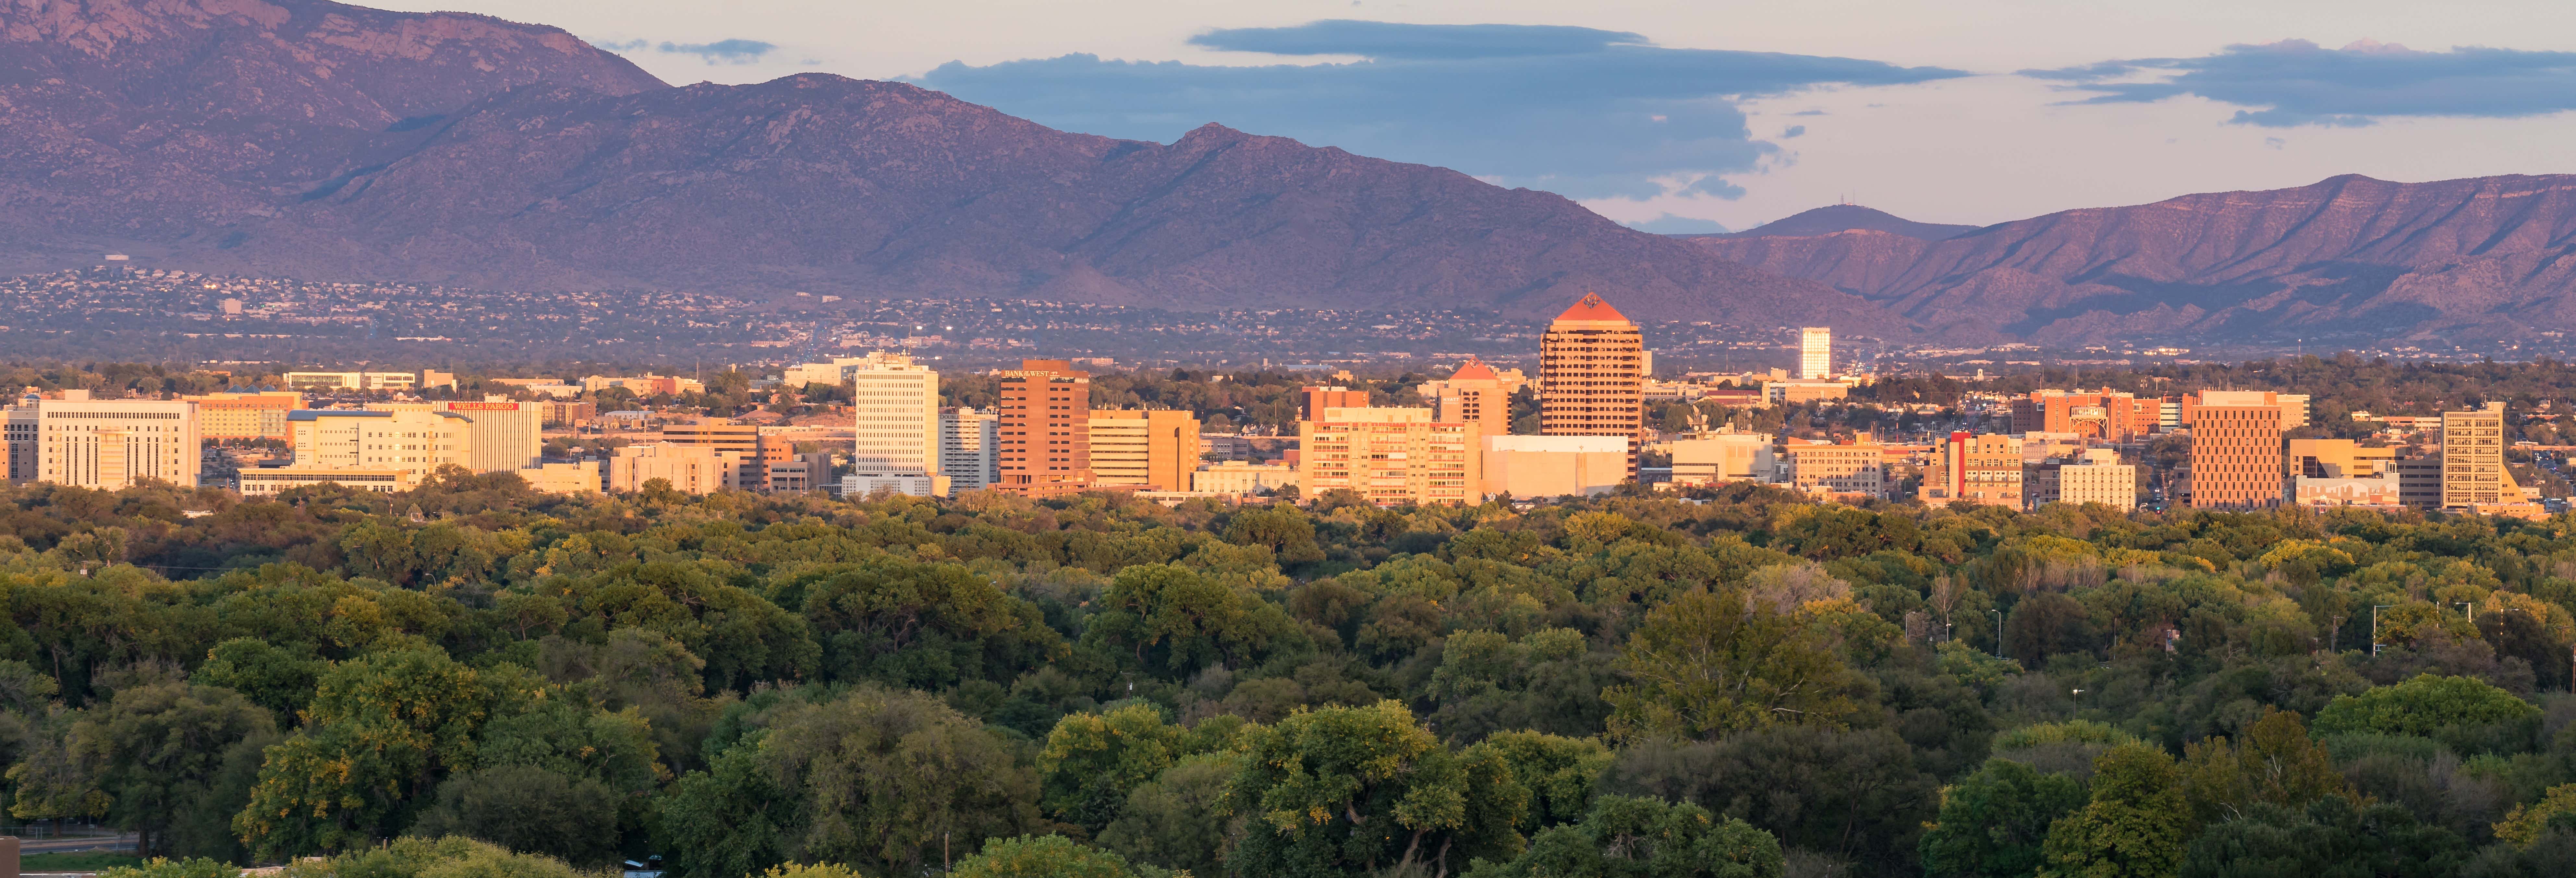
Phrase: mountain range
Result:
[2348,258]
[311,139]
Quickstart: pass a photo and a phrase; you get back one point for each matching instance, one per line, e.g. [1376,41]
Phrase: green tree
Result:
[2527,822]
[156,750]
[382,728]
[1993,822]
[162,867]
[1179,820]
[2330,836]
[1091,762]
[2134,827]
[2277,763]
[1625,837]
[277,676]
[1707,664]
[1044,856]
[2462,711]
[528,809]
[1345,788]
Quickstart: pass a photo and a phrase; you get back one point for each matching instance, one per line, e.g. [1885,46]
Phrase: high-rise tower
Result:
[1590,375]
[1815,353]
[1046,429]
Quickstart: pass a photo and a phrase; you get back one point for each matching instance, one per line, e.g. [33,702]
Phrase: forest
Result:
[475,678]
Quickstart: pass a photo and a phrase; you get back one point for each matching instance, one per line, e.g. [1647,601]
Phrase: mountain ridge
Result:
[399,155]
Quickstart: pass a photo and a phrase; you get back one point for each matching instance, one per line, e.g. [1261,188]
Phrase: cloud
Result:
[2295,82]
[1669,224]
[1793,131]
[720,51]
[1582,112]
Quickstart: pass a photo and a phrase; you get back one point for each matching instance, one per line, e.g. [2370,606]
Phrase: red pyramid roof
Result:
[1591,307]
[1474,370]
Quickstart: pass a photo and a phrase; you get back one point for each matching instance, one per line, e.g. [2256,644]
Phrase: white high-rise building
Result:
[1816,353]
[104,444]
[967,439]
[897,426]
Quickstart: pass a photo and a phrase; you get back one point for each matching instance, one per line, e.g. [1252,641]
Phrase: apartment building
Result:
[1391,456]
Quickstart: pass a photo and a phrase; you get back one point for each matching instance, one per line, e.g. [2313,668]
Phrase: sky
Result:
[1714,115]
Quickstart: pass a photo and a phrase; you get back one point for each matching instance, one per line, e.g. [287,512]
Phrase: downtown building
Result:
[895,403]
[1045,430]
[1391,456]
[2236,451]
[1591,375]
[107,444]
[969,442]
[1154,450]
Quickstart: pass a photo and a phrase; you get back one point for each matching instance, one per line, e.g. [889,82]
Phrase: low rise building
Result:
[1391,456]
[108,444]
[578,477]
[1711,460]
[689,469]
[352,380]
[1854,468]
[1554,466]
[1796,391]
[1243,478]
[244,415]
[2094,476]
[1986,469]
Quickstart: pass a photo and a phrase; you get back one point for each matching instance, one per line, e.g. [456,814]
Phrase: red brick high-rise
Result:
[1044,446]
[1591,378]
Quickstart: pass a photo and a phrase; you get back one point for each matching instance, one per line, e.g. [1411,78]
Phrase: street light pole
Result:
[1999,632]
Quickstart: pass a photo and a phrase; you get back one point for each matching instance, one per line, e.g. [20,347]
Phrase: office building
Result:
[1985,469]
[896,421]
[2236,451]
[689,469]
[2419,480]
[556,413]
[1472,395]
[1794,392]
[352,380]
[1714,460]
[2339,459]
[103,444]
[645,386]
[2374,492]
[2105,415]
[1816,353]
[244,415]
[507,436]
[1554,466]
[415,441]
[1243,478]
[2095,475]
[2292,406]
[1590,381]
[1313,400]
[2473,470]
[270,481]
[1856,468]
[1391,456]
[1151,450]
[968,441]
[577,477]
[1045,434]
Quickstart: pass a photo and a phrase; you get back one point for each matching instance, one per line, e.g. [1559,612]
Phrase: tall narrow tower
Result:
[1590,375]
[1816,353]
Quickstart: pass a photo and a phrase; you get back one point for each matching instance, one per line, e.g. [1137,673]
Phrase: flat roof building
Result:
[1153,450]
[1045,432]
[1391,456]
[104,444]
[1554,466]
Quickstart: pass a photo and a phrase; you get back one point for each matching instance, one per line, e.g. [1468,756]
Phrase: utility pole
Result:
[1999,632]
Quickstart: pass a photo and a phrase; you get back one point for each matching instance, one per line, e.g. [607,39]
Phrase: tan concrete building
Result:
[1986,469]
[1794,392]
[690,469]
[1855,468]
[896,422]
[244,415]
[1712,460]
[1554,466]
[507,435]
[1391,456]
[2236,451]
[2095,476]
[1151,450]
[578,477]
[1816,352]
[107,444]
[1045,432]
[1473,395]
[1591,375]
[1243,478]
[415,441]
[2473,470]
[2338,459]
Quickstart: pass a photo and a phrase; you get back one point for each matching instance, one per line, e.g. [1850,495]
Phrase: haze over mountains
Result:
[316,140]
[2346,258]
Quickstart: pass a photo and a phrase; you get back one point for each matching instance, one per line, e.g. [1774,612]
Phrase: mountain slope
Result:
[2353,257]
[1850,218]
[312,139]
